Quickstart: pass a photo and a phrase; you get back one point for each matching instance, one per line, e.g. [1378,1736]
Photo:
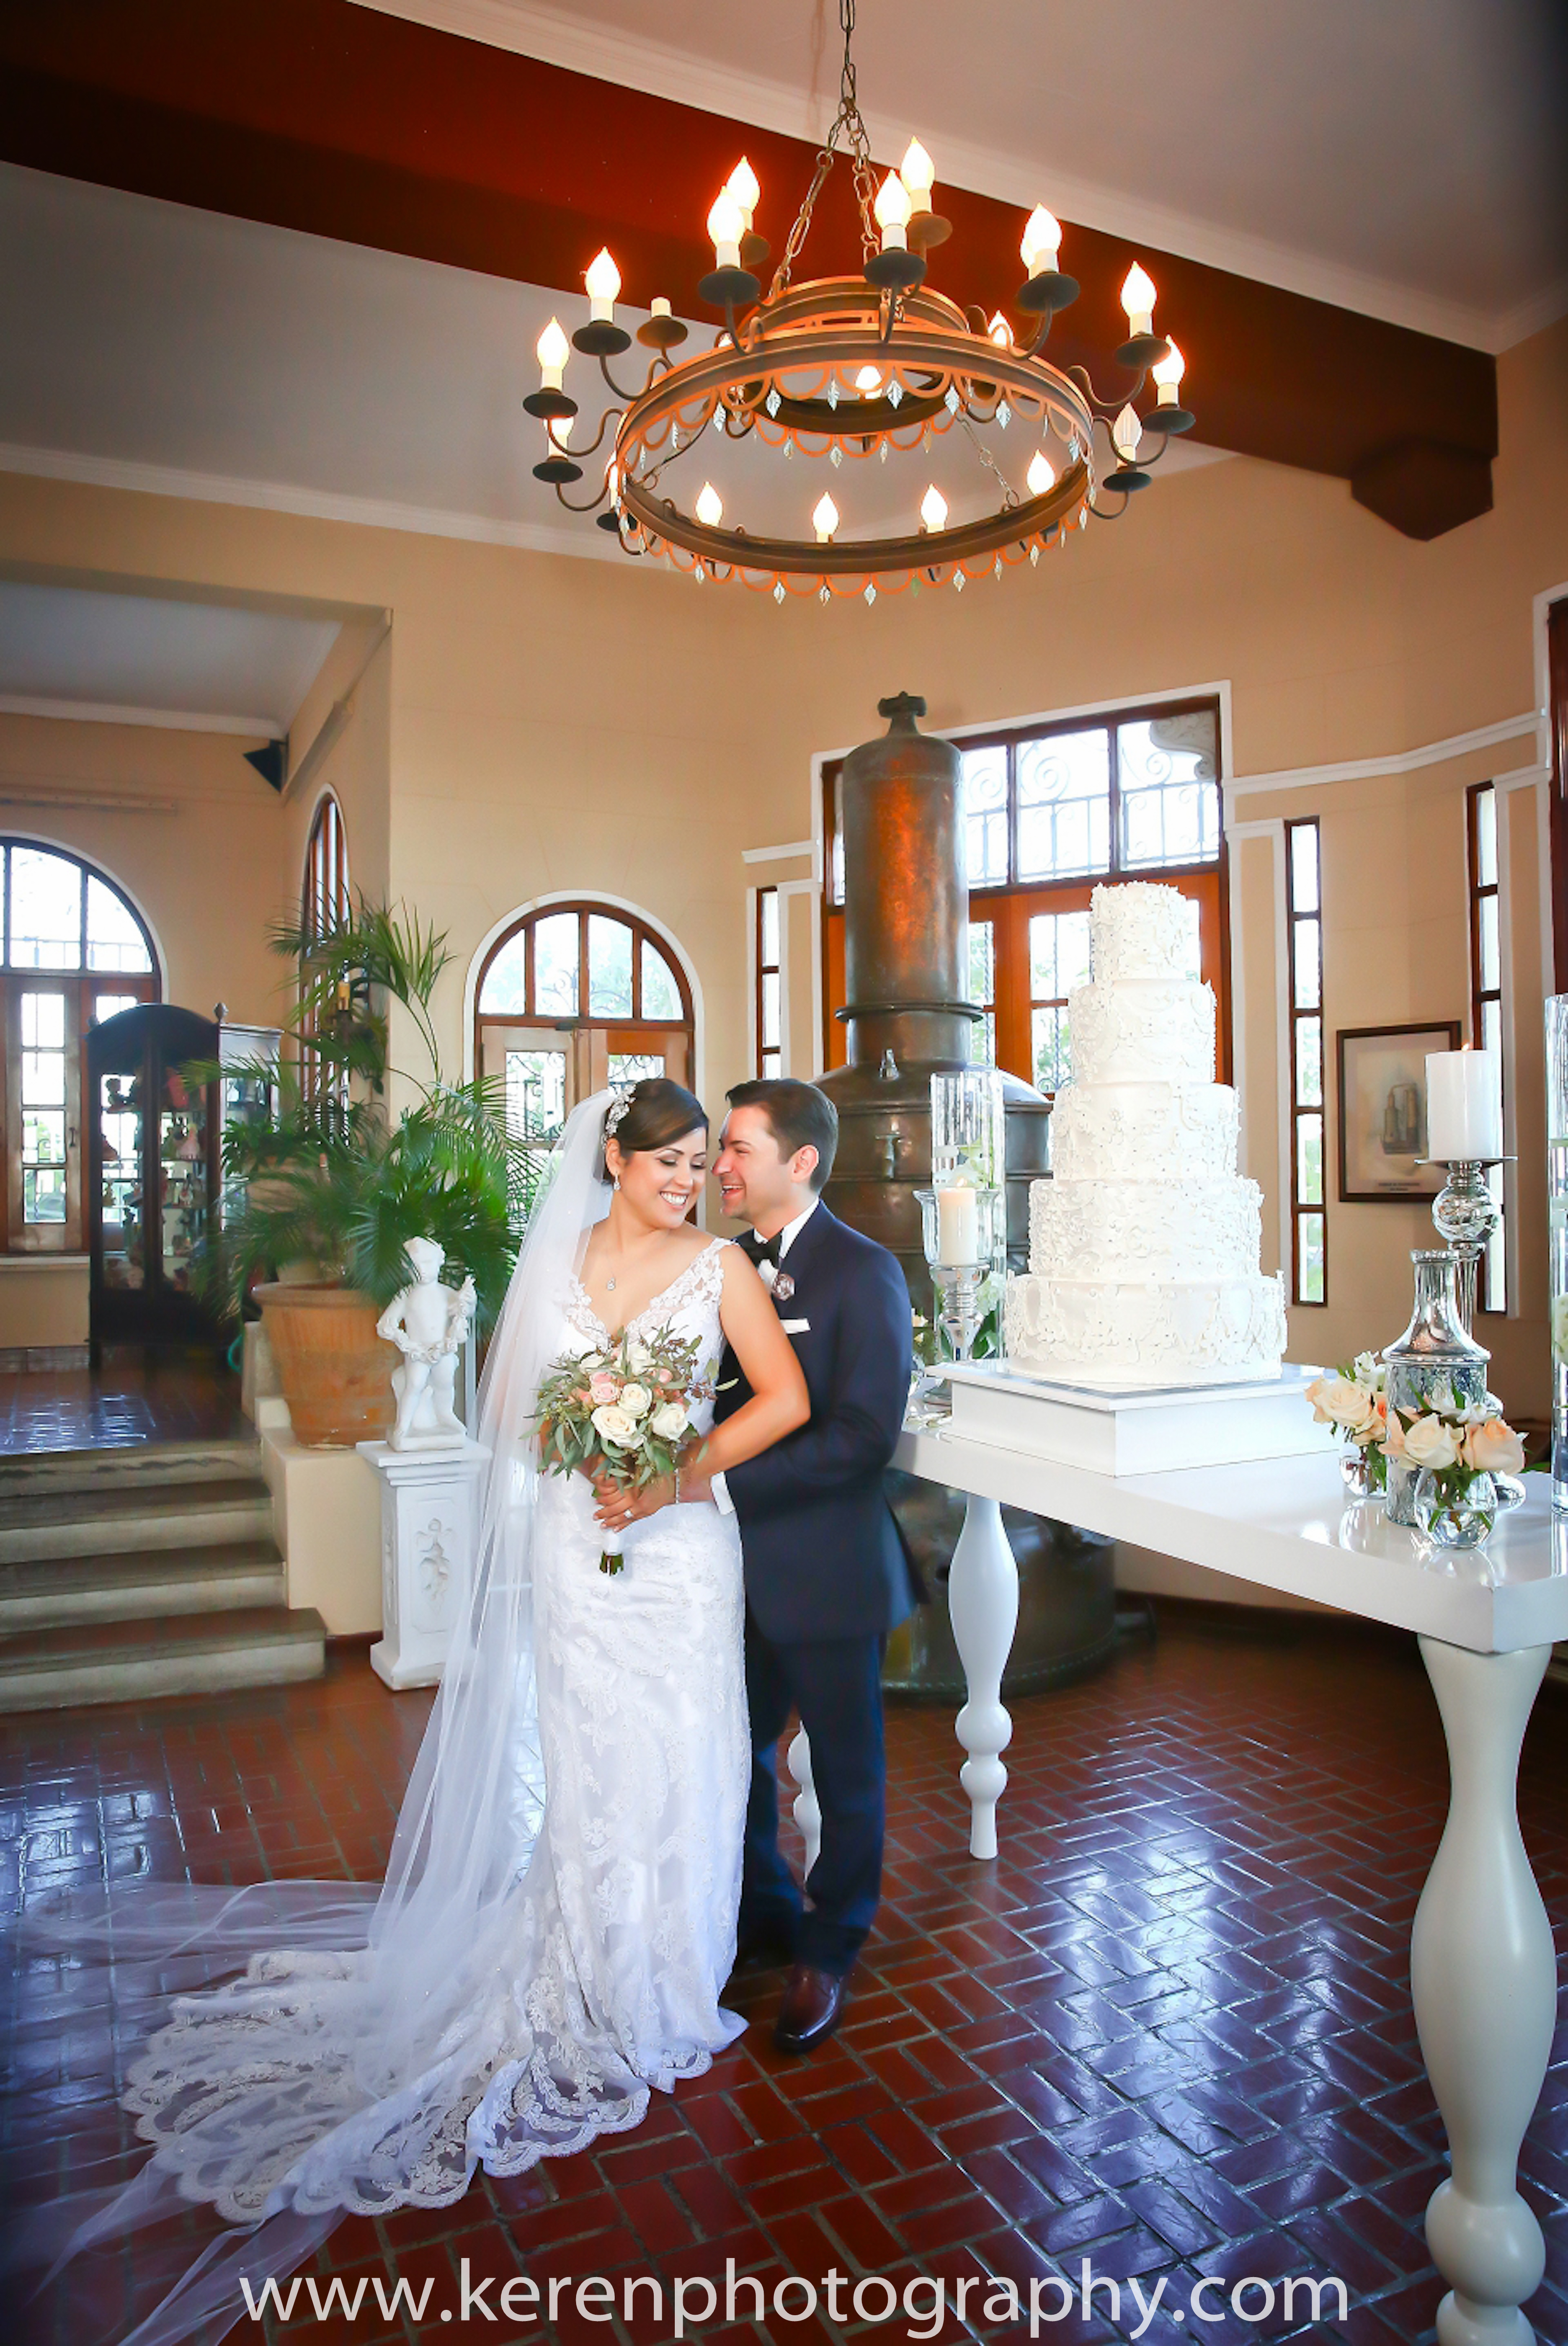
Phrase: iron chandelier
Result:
[853,368]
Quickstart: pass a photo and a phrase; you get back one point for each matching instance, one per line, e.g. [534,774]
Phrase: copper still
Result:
[906,933]
[906,927]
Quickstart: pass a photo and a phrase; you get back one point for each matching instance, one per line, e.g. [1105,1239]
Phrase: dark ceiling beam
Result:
[338,120]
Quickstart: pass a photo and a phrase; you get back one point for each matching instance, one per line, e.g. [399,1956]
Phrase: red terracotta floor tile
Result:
[1169,2029]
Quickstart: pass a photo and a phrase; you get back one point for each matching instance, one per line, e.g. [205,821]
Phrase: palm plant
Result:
[333,1178]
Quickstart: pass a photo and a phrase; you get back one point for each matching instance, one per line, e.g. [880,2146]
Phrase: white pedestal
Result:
[430,1531]
[324,1508]
[1143,1432]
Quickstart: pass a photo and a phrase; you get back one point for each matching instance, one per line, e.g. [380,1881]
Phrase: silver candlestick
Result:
[1466,1215]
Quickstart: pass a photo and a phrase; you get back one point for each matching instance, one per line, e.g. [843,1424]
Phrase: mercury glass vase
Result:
[1557,1233]
[1460,1519]
[1432,1360]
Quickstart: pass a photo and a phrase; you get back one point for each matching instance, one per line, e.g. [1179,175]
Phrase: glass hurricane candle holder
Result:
[968,1129]
[959,1226]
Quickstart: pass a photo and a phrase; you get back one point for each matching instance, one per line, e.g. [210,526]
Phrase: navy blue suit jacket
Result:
[823,1554]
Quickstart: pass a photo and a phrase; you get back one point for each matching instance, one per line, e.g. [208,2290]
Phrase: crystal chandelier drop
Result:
[856,368]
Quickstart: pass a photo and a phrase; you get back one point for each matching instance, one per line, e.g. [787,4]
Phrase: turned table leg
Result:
[806,1812]
[1484,1976]
[982,1602]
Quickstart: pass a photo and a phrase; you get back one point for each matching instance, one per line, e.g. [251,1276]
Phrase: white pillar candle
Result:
[957,1227]
[1464,1105]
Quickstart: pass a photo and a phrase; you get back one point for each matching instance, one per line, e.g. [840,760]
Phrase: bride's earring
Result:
[616,1182]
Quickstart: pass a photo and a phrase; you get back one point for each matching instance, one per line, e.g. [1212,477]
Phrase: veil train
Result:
[344,2069]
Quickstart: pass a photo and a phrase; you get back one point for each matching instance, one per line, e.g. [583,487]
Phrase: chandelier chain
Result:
[1009,494]
[849,121]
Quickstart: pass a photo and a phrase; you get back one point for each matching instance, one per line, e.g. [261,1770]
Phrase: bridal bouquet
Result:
[624,1411]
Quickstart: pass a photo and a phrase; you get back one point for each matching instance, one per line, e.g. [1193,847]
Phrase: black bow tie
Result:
[765,1249]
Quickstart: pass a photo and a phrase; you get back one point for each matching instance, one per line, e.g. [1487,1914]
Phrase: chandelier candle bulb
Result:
[918,173]
[743,186]
[1000,333]
[602,279]
[1042,242]
[726,226]
[660,306]
[1464,1107]
[553,350]
[825,520]
[710,506]
[1042,473]
[1138,297]
[1126,434]
[892,209]
[868,383]
[1169,375]
[933,510]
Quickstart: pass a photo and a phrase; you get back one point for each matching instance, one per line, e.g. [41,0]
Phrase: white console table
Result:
[1482,1965]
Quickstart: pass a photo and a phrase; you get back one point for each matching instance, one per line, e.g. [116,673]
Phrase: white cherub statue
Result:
[428,1323]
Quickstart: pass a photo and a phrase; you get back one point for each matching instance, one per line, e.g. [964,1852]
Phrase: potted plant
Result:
[326,1193]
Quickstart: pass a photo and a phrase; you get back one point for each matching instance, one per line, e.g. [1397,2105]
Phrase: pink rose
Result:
[602,1391]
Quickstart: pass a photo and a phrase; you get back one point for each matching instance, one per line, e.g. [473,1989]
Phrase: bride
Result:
[558,1916]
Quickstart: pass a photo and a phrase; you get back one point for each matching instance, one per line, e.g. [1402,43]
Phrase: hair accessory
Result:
[615,1111]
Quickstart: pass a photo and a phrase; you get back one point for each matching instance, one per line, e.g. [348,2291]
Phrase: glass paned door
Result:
[122,1180]
[182,1178]
[46,1205]
[535,1069]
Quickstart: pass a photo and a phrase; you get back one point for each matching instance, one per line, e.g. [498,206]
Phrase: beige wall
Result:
[545,723]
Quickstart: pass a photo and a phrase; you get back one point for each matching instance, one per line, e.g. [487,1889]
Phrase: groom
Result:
[827,1573]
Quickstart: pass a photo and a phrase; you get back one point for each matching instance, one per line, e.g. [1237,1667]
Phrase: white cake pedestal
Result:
[430,1531]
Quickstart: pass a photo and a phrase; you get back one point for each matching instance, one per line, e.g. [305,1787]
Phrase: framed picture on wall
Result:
[1383,1110]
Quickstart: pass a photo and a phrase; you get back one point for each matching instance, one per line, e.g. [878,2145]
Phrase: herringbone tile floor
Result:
[1168,2031]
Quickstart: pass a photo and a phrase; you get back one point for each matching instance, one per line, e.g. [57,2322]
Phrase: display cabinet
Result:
[153,1175]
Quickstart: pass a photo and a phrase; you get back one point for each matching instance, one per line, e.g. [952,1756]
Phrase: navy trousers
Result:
[835,1684]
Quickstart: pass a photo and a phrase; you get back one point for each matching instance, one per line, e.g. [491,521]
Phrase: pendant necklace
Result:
[609,1286]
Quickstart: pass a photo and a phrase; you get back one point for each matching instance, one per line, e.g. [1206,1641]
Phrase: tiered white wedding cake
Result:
[1143,1249]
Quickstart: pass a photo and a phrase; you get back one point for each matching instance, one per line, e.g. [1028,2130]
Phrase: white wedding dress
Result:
[559,1914]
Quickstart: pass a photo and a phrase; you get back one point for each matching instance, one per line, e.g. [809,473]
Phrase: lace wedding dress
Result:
[559,1914]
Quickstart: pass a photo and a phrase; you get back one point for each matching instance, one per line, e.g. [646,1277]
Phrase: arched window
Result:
[324,900]
[574,998]
[75,952]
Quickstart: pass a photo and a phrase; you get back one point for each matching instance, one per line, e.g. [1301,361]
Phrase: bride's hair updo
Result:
[656,1111]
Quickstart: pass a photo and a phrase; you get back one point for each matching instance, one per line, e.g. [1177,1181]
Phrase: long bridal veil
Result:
[327,2073]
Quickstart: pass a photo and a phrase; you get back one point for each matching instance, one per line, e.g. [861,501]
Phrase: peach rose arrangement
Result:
[624,1412]
[1354,1399]
[1453,1447]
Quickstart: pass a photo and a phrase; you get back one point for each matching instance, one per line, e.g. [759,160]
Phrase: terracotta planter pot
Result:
[335,1370]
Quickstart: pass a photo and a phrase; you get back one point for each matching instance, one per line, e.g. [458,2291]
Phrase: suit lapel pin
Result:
[783,1288]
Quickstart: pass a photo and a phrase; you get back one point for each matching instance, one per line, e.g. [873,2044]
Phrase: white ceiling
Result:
[67,651]
[150,345]
[1405,158]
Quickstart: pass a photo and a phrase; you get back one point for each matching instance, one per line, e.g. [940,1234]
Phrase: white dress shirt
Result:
[787,1237]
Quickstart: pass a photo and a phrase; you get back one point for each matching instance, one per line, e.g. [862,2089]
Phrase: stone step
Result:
[53,1472]
[138,1661]
[135,1514]
[53,1592]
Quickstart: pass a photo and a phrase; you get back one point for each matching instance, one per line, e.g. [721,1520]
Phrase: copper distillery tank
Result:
[906,916]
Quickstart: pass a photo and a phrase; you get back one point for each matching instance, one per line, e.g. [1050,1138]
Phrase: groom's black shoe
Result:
[812,2008]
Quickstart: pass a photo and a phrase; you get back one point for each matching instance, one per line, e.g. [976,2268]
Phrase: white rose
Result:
[1369,1372]
[635,1400]
[1340,1400]
[639,1357]
[614,1426]
[1494,1448]
[1429,1442]
[668,1420]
